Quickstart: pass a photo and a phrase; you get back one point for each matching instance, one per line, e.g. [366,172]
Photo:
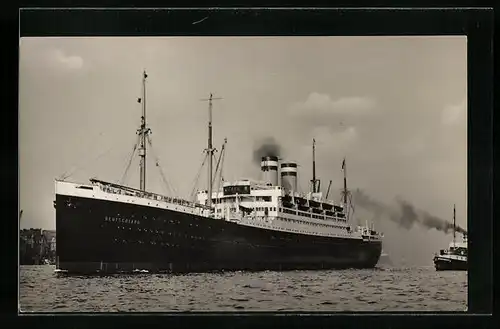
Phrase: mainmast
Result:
[344,169]
[210,150]
[143,131]
[345,192]
[314,180]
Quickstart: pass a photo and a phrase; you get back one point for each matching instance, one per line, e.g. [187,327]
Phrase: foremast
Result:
[143,133]
[210,149]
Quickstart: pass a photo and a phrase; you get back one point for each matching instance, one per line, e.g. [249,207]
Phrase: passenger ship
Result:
[264,224]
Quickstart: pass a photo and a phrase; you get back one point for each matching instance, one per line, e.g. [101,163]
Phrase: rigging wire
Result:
[71,173]
[215,175]
[222,152]
[169,186]
[351,204]
[157,162]
[218,163]
[222,156]
[67,173]
[217,166]
[197,177]
[122,180]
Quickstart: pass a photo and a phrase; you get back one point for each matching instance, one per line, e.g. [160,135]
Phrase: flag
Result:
[138,100]
[145,75]
[343,164]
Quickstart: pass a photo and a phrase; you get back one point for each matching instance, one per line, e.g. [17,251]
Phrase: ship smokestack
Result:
[269,168]
[289,176]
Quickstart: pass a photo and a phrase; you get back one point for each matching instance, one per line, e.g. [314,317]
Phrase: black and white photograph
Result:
[270,173]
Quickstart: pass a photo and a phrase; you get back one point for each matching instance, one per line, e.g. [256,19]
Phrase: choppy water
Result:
[383,289]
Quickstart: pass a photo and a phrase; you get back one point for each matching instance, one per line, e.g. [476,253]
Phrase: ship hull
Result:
[448,264]
[103,236]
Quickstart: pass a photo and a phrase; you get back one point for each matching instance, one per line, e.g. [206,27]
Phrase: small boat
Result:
[455,257]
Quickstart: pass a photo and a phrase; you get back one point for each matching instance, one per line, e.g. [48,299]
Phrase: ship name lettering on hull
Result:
[121,220]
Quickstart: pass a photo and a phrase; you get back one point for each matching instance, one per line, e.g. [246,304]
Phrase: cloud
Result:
[414,146]
[453,114]
[60,59]
[335,139]
[323,104]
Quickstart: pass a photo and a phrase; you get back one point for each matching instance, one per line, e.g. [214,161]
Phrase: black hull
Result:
[442,264]
[98,236]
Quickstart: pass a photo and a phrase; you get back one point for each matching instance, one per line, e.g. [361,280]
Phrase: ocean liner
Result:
[455,258]
[263,224]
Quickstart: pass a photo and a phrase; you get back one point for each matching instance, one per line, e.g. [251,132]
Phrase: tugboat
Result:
[455,258]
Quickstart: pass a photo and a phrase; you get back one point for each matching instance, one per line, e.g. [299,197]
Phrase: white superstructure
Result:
[258,204]
[456,251]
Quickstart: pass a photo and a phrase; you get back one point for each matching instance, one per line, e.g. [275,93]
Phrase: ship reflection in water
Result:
[385,260]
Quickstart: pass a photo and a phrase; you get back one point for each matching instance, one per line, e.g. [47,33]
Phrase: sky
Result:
[395,107]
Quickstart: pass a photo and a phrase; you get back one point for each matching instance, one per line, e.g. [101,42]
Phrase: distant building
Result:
[36,246]
[50,237]
[53,245]
[31,246]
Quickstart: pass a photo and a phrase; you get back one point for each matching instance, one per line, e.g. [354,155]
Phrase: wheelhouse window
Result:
[236,189]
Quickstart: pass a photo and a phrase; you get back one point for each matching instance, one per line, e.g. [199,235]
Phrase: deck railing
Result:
[310,214]
[123,190]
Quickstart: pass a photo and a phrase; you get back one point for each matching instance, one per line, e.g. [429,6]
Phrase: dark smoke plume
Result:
[267,147]
[403,214]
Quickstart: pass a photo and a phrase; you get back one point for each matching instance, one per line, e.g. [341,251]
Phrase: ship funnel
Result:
[289,176]
[269,168]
